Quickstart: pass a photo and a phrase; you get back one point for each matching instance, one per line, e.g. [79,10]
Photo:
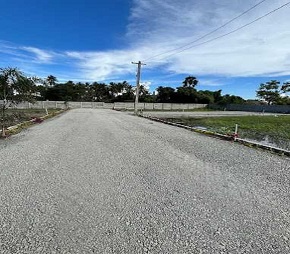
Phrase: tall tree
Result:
[285,87]
[217,95]
[269,92]
[186,94]
[143,91]
[116,89]
[165,94]
[15,87]
[128,92]
[100,92]
[231,99]
[50,80]
[190,81]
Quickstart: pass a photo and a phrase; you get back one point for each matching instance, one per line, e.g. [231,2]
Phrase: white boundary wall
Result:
[116,105]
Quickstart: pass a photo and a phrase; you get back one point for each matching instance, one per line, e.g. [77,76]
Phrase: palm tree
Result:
[190,81]
[51,80]
[116,88]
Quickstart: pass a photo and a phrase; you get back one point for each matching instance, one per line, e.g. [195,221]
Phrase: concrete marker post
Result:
[236,132]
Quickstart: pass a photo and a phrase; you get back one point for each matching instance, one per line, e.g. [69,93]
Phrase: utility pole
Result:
[138,76]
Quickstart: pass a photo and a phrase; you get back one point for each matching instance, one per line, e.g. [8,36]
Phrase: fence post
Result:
[236,133]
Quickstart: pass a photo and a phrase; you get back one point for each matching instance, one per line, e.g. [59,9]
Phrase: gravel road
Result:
[100,181]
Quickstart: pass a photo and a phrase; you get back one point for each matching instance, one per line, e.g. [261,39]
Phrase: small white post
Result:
[236,132]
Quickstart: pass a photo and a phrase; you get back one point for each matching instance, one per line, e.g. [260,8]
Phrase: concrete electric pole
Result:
[138,76]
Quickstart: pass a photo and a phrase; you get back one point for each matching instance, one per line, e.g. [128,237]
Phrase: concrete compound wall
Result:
[116,105]
[156,106]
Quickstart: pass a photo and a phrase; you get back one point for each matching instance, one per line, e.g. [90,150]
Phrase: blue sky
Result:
[96,40]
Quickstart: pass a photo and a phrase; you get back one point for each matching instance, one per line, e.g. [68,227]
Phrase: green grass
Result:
[15,116]
[275,128]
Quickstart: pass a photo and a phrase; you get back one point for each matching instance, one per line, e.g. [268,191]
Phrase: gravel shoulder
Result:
[100,181]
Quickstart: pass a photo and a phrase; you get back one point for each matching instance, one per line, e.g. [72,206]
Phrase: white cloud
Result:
[40,54]
[156,26]
[260,49]
[101,65]
[211,82]
[10,49]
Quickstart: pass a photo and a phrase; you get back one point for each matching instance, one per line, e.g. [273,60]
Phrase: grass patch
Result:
[16,116]
[272,129]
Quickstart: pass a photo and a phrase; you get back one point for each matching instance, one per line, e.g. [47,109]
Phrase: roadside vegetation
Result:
[15,87]
[273,130]
[16,116]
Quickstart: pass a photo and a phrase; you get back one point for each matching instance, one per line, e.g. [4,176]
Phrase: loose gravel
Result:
[100,181]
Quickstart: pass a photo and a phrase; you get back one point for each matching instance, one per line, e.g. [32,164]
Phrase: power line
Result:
[211,32]
[231,32]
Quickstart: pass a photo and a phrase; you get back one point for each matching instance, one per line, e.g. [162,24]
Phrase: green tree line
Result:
[124,92]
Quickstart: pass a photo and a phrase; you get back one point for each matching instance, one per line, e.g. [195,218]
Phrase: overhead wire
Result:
[226,34]
[209,33]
